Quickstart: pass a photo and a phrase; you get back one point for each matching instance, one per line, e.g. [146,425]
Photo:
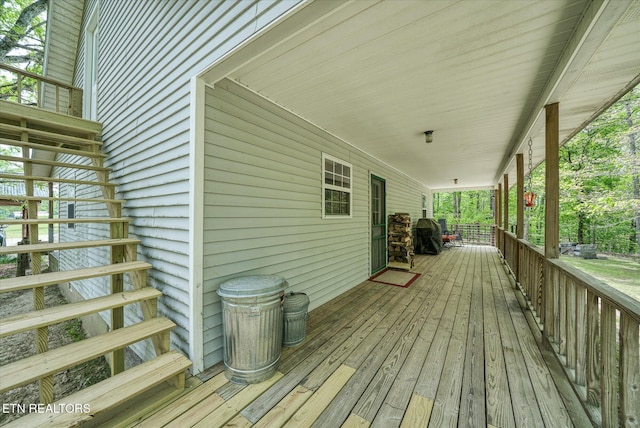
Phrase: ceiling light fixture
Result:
[428,136]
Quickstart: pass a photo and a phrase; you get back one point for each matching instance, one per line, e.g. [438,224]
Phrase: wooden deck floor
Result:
[453,349]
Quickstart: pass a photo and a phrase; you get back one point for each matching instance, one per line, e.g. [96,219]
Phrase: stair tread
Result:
[55,246]
[53,163]
[30,369]
[20,177]
[53,278]
[54,147]
[66,220]
[53,136]
[36,319]
[111,392]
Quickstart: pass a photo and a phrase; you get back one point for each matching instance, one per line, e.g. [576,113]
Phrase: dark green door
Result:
[378,225]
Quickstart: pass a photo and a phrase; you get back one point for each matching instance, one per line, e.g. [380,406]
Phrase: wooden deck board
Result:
[472,407]
[447,403]
[453,349]
[400,394]
[519,384]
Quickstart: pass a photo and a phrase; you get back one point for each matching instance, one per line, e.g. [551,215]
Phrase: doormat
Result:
[395,277]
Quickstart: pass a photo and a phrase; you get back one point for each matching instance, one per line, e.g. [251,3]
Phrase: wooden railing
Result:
[593,329]
[66,99]
[482,234]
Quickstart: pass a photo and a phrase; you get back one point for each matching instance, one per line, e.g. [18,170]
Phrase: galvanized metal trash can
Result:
[295,318]
[252,327]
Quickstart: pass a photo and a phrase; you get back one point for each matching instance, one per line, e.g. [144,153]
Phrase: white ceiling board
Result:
[378,74]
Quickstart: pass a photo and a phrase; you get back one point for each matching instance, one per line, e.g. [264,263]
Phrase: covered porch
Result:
[455,348]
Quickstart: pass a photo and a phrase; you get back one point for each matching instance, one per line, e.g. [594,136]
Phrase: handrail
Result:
[74,99]
[612,296]
[592,328]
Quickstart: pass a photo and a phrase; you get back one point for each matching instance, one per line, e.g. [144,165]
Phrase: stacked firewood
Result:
[400,243]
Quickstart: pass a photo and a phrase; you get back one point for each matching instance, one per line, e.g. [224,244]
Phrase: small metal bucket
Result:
[294,318]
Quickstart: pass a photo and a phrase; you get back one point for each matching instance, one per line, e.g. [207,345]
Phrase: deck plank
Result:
[230,408]
[498,398]
[183,404]
[399,394]
[285,408]
[472,406]
[549,401]
[429,378]
[392,410]
[447,403]
[519,383]
[310,411]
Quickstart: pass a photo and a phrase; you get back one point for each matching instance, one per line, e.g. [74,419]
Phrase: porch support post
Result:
[495,207]
[506,202]
[520,211]
[552,180]
[499,205]
[552,215]
[499,234]
[520,196]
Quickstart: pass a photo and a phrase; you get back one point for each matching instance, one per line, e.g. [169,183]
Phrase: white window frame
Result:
[326,186]
[90,90]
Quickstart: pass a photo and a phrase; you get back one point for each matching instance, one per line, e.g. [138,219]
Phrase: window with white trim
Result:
[337,179]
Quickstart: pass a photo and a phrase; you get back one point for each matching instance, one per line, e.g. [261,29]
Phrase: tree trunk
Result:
[580,227]
[16,33]
[636,180]
[457,198]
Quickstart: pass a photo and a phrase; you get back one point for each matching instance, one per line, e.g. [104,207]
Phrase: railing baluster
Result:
[593,348]
[629,372]
[608,395]
[581,335]
[560,313]
[570,334]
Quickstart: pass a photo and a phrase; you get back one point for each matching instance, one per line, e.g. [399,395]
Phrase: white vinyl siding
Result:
[143,104]
[263,203]
[63,28]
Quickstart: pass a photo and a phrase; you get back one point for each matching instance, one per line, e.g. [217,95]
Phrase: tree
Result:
[22,34]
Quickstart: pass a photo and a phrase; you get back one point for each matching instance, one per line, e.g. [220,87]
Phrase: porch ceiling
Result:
[478,73]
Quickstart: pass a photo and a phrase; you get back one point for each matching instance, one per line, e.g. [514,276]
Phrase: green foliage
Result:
[464,207]
[8,167]
[22,34]
[74,330]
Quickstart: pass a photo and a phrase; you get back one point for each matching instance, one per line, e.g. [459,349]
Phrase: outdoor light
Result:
[428,136]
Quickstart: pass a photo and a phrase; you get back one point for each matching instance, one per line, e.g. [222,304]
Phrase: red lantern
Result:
[529,199]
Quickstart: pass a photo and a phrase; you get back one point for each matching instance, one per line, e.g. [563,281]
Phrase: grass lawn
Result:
[623,274]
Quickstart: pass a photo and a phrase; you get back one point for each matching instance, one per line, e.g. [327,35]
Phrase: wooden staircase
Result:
[34,130]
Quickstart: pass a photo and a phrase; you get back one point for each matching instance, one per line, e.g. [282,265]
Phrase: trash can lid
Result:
[295,300]
[252,286]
